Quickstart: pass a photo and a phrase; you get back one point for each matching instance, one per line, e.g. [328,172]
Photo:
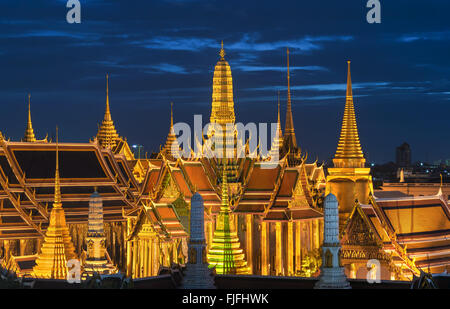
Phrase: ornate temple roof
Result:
[26,184]
[349,152]
[416,230]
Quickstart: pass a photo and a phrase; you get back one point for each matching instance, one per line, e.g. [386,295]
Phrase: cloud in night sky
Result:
[165,50]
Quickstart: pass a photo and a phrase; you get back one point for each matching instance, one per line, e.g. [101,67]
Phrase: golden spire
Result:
[171,116]
[280,132]
[222,97]
[107,134]
[222,52]
[57,247]
[107,112]
[29,132]
[225,254]
[57,202]
[289,140]
[349,152]
[171,142]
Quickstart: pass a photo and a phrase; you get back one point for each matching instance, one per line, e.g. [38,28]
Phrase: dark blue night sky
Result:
[162,51]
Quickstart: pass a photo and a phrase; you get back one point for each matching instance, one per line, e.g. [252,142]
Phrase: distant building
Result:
[403,155]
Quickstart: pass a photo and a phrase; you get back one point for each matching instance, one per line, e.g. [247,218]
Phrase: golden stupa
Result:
[225,253]
[349,180]
[171,147]
[57,248]
[349,152]
[107,134]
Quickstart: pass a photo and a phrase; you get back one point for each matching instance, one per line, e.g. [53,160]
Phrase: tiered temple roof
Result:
[26,180]
[415,230]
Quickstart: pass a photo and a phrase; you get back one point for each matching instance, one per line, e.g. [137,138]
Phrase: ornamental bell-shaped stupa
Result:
[96,261]
[332,275]
[197,274]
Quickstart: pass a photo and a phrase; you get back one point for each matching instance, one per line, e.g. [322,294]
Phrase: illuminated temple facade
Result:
[258,220]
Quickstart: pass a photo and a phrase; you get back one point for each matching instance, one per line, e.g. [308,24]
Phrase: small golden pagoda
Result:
[225,253]
[349,180]
[171,143]
[107,134]
[57,248]
[277,142]
[29,132]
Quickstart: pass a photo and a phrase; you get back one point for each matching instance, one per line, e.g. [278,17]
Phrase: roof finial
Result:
[349,81]
[57,202]
[171,115]
[107,112]
[29,132]
[222,52]
[289,139]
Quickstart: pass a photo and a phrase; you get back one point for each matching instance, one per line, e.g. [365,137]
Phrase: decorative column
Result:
[249,241]
[129,250]
[264,252]
[278,249]
[135,259]
[332,275]
[290,248]
[298,244]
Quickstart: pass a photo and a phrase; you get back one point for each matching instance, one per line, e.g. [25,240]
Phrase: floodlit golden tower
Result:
[349,180]
[107,135]
[171,143]
[223,132]
[225,253]
[290,146]
[222,97]
[57,248]
[29,132]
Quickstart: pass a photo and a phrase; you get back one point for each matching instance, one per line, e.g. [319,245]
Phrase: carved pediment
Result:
[358,233]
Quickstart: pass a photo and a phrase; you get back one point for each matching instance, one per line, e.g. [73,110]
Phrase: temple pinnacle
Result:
[222,52]
[29,132]
[57,202]
[349,152]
